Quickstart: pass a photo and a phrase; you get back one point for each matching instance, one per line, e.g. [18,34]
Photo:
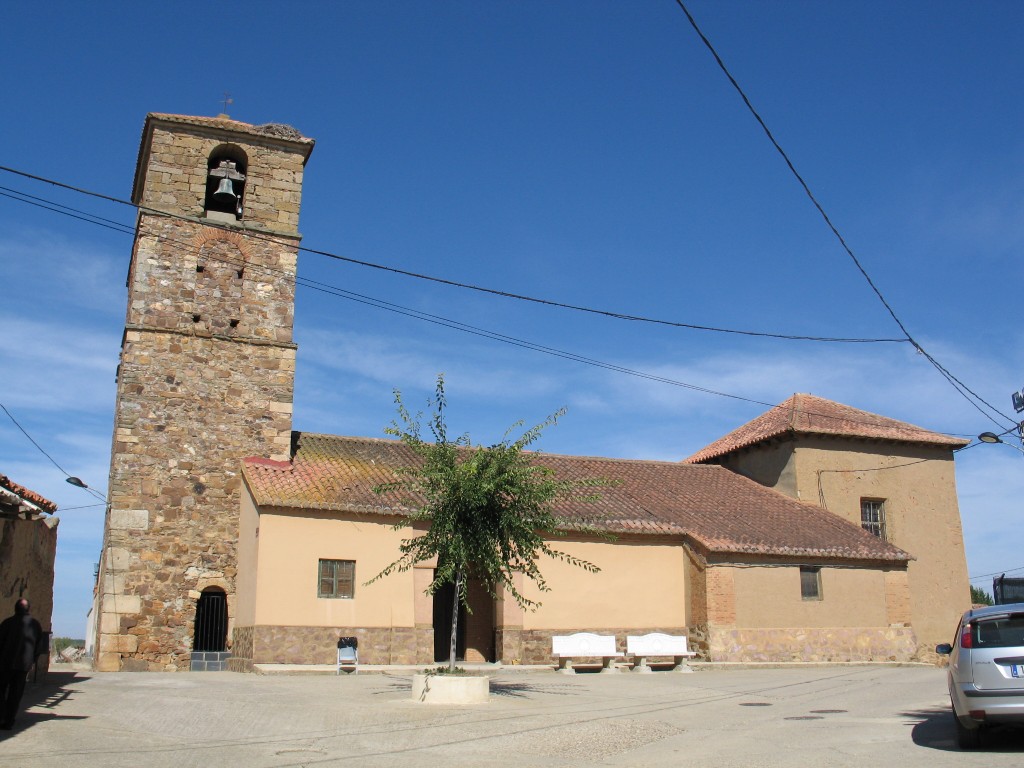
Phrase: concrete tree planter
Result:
[451,689]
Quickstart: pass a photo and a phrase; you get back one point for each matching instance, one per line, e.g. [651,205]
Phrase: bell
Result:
[225,194]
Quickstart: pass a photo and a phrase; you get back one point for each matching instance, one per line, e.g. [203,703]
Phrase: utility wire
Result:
[48,456]
[468,286]
[958,385]
[52,205]
[997,573]
[406,311]
[379,303]
[189,247]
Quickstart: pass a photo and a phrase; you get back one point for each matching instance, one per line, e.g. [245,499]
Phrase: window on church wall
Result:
[872,516]
[337,579]
[225,182]
[810,582]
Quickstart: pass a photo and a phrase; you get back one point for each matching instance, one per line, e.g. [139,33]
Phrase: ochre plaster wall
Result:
[922,518]
[756,613]
[771,465]
[640,585]
[248,560]
[291,543]
[770,597]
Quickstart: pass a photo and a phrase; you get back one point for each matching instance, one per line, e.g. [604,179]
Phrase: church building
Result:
[815,532]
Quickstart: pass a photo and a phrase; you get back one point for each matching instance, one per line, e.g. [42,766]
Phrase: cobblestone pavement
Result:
[821,716]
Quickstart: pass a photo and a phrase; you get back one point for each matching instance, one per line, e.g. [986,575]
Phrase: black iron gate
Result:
[211,628]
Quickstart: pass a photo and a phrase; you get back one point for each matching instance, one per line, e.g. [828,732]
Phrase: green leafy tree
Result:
[979,596]
[489,510]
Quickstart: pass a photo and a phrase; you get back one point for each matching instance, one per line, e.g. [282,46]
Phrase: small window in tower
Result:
[225,181]
[872,516]
[810,582]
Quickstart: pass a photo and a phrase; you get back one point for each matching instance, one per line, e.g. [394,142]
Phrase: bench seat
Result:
[584,645]
[641,647]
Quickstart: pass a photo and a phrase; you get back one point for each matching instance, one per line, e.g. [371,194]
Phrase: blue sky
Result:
[591,153]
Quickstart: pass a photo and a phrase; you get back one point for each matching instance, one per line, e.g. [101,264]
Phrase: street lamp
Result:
[77,482]
[992,437]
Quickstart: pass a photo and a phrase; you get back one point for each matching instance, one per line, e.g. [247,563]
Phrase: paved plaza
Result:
[855,715]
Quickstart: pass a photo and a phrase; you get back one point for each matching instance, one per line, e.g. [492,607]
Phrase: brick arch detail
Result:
[212,234]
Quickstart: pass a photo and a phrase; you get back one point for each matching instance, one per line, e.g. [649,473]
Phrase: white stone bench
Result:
[584,645]
[640,647]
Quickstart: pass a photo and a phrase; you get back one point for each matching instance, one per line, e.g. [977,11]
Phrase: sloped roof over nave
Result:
[716,509]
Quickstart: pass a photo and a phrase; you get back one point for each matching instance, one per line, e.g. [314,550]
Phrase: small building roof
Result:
[810,415]
[714,508]
[18,500]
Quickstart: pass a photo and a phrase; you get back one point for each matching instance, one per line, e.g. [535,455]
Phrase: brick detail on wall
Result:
[897,597]
[721,596]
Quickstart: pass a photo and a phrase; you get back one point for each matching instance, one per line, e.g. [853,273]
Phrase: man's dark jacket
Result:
[19,638]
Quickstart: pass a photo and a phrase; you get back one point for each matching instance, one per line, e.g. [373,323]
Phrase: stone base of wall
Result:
[533,646]
[812,644]
[240,665]
[319,645]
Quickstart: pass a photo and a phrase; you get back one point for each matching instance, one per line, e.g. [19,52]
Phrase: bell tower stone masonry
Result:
[205,379]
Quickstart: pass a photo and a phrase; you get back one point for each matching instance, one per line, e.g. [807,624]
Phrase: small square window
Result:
[872,516]
[810,582]
[337,579]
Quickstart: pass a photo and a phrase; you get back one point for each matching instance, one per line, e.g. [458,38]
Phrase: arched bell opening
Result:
[225,180]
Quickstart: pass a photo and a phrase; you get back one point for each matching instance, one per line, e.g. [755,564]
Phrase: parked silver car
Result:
[986,670]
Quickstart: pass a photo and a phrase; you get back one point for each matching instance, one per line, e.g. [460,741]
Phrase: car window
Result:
[1000,632]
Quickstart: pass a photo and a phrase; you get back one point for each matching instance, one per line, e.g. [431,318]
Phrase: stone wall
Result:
[173,176]
[812,644]
[27,551]
[319,645]
[205,379]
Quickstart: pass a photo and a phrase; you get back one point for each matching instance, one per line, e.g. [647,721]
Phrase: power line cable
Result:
[86,218]
[996,573]
[314,285]
[48,456]
[435,319]
[958,385]
[478,288]
[120,225]
[335,291]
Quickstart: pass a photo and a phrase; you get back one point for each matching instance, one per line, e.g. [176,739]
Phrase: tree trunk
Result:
[455,620]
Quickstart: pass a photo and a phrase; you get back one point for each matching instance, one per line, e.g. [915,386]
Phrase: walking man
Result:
[19,638]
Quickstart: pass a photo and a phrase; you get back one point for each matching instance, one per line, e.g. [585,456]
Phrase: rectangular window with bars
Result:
[810,582]
[337,579]
[872,516]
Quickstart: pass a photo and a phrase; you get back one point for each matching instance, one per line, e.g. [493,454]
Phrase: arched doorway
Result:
[210,631]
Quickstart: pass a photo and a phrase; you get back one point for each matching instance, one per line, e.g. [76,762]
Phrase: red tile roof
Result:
[24,493]
[710,506]
[809,415]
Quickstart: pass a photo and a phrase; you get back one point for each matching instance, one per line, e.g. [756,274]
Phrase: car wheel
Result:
[967,738]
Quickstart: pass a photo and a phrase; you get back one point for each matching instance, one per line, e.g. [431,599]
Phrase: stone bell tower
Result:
[205,379]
